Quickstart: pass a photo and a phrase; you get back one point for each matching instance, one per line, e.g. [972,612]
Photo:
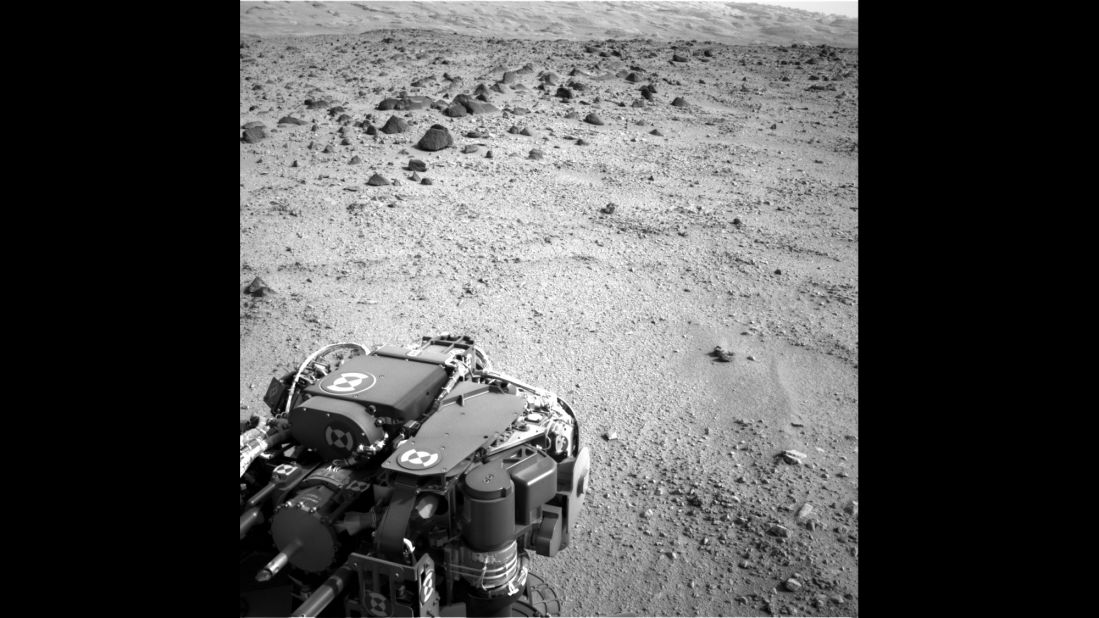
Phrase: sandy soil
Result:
[736,228]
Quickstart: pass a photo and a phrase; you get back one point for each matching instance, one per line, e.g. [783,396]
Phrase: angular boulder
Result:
[436,138]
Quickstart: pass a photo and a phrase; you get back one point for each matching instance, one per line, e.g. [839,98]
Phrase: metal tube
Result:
[326,593]
[250,517]
[262,494]
[277,563]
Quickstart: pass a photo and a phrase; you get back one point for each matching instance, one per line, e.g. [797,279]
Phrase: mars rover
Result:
[411,481]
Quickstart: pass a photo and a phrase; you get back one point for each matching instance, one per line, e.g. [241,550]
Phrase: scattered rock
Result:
[394,125]
[436,138]
[291,120]
[258,288]
[792,585]
[722,355]
[805,511]
[355,160]
[779,531]
[656,132]
[593,119]
[416,165]
[252,135]
[405,103]
[377,180]
[680,102]
[610,435]
[456,110]
[470,149]
[852,508]
[608,209]
[535,154]
[793,457]
[427,181]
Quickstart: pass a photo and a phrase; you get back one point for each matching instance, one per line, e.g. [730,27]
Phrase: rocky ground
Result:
[720,210]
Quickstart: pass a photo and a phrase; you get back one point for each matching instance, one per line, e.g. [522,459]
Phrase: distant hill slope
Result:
[732,23]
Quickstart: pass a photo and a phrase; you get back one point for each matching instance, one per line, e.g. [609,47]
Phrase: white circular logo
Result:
[350,383]
[379,605]
[418,460]
[339,438]
[427,588]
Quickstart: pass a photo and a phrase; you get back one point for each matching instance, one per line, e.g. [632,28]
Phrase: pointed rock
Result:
[258,288]
[436,138]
